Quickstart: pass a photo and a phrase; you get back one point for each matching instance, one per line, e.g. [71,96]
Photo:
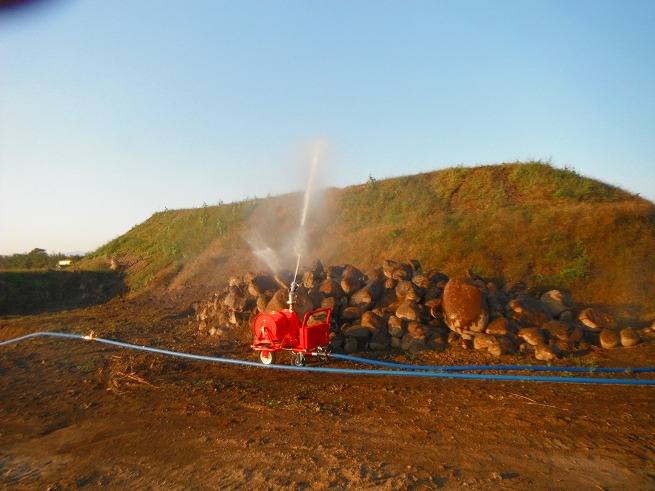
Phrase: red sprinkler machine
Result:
[282,331]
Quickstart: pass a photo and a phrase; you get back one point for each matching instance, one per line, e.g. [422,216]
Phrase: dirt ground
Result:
[84,415]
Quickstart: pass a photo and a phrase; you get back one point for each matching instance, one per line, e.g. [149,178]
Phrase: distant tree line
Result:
[35,259]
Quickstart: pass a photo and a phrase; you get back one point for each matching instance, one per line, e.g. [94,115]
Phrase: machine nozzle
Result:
[292,294]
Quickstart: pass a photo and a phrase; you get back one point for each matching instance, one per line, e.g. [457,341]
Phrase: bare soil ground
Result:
[84,415]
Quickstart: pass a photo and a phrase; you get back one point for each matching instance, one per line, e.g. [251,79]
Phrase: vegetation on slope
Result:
[551,227]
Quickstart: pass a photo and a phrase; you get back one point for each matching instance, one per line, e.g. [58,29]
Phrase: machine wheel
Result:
[267,357]
[298,360]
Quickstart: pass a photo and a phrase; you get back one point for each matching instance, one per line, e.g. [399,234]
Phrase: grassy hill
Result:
[551,227]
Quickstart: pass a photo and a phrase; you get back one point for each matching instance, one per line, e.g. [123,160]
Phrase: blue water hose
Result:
[349,371]
[500,368]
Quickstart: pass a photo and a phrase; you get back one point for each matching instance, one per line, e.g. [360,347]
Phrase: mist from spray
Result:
[300,243]
[268,256]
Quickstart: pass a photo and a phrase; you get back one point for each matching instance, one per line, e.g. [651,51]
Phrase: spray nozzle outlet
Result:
[292,294]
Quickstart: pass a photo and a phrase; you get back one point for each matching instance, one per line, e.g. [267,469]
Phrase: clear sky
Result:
[113,110]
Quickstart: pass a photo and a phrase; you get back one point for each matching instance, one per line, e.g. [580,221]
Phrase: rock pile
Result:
[398,305]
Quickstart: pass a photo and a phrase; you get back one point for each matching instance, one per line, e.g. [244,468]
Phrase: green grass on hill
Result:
[551,227]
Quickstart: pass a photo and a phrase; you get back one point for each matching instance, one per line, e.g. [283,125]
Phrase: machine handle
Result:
[309,314]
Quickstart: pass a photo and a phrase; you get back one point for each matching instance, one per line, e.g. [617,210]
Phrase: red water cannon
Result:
[282,331]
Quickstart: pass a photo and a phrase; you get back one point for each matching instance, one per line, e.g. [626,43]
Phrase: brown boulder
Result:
[350,284]
[557,330]
[482,341]
[357,331]
[372,321]
[365,298]
[396,270]
[260,284]
[546,353]
[529,311]
[422,281]
[396,326]
[312,279]
[629,337]
[375,275]
[409,311]
[609,339]
[557,301]
[350,314]
[350,345]
[532,335]
[407,291]
[498,327]
[418,330]
[331,288]
[434,306]
[464,306]
[595,319]
[380,340]
[235,299]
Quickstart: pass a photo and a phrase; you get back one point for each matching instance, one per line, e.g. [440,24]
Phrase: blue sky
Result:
[112,111]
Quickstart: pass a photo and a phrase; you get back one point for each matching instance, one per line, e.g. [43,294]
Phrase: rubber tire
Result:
[267,357]
[298,360]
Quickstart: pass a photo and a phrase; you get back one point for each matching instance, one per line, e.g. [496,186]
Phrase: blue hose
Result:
[500,368]
[348,371]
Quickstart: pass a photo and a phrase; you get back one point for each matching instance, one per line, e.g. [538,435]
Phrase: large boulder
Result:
[464,306]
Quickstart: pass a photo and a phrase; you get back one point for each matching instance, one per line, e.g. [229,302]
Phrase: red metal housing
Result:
[282,330]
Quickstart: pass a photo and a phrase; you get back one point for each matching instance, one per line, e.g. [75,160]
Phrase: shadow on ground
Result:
[34,292]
